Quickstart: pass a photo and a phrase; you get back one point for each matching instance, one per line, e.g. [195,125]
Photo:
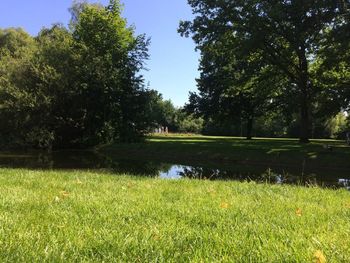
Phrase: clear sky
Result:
[173,63]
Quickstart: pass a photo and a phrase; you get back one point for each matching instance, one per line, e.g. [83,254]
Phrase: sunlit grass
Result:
[85,216]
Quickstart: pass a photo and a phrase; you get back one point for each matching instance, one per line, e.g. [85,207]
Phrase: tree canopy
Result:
[286,41]
[73,87]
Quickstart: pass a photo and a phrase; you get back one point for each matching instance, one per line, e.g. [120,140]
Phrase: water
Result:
[89,160]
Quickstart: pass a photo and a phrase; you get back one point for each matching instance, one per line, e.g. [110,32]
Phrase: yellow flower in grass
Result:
[319,257]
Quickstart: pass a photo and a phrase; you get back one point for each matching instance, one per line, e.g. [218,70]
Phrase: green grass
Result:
[71,216]
[238,153]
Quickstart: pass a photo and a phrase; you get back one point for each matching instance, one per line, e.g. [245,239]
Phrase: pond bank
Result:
[199,157]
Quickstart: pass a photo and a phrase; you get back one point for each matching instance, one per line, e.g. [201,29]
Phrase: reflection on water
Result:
[118,164]
[178,172]
[344,183]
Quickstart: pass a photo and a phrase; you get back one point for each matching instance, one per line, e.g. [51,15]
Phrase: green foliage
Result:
[111,58]
[77,87]
[257,52]
[162,113]
[190,124]
[336,125]
[20,98]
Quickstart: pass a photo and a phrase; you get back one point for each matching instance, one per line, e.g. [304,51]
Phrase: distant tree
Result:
[189,123]
[163,113]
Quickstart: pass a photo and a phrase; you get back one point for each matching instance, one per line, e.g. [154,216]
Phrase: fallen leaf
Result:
[319,257]
[64,193]
[224,205]
[299,212]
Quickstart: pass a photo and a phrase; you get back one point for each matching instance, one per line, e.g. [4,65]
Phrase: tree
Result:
[332,69]
[74,87]
[232,89]
[112,56]
[285,34]
[19,98]
[161,112]
[66,113]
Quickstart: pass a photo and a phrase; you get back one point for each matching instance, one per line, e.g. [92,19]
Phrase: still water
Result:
[89,160]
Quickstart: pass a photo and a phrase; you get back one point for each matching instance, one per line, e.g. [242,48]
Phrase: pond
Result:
[90,160]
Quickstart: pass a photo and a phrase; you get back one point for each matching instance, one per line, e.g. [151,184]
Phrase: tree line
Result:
[288,60]
[268,68]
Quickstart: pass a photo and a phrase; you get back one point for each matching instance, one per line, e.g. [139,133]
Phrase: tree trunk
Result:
[305,102]
[304,122]
[249,128]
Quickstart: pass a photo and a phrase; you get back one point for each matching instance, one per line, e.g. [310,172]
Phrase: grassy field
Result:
[92,217]
[238,153]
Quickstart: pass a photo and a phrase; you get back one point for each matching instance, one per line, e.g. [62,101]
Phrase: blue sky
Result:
[173,63]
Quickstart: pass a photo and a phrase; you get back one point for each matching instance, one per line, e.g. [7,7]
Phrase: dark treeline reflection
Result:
[269,176]
[89,160]
[82,160]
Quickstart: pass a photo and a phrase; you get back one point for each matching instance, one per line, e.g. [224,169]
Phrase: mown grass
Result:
[72,216]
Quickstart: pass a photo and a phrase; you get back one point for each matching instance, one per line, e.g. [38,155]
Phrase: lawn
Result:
[74,216]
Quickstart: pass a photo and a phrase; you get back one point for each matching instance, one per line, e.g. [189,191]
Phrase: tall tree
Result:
[73,87]
[285,34]
[19,99]
[112,56]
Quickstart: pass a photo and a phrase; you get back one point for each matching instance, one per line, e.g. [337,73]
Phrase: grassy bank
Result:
[253,156]
[84,216]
